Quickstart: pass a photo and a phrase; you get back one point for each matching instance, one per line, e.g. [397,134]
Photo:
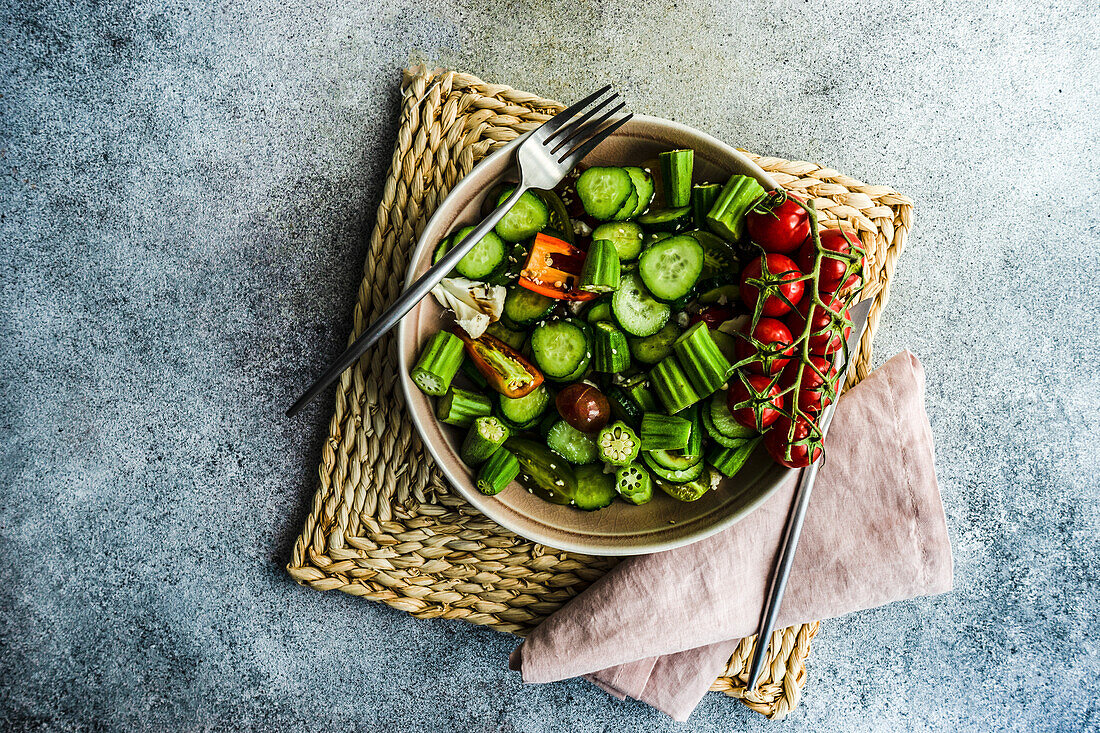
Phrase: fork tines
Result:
[578,135]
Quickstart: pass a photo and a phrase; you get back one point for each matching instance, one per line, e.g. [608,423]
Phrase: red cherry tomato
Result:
[812,390]
[584,407]
[777,346]
[764,399]
[713,316]
[778,228]
[825,338]
[778,285]
[778,438]
[832,270]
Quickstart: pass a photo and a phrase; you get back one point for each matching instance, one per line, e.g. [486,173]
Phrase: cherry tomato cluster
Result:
[776,389]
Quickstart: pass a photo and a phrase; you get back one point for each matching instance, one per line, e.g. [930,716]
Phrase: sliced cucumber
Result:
[674,460]
[683,476]
[595,489]
[524,307]
[514,339]
[442,248]
[723,421]
[666,220]
[718,256]
[626,235]
[604,190]
[485,257]
[528,217]
[571,444]
[638,312]
[643,184]
[717,437]
[628,207]
[560,349]
[671,267]
[652,349]
[524,412]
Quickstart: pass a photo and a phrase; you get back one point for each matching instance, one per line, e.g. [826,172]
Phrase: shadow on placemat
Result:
[383,524]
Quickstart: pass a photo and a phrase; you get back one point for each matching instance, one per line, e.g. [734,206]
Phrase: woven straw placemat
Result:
[383,524]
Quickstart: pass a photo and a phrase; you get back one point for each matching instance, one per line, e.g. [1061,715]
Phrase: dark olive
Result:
[584,407]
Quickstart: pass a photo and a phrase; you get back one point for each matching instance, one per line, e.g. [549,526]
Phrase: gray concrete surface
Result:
[185,194]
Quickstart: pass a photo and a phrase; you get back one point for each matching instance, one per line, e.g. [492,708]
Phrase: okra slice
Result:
[501,469]
[461,407]
[664,432]
[634,484]
[617,444]
[602,271]
[486,435]
[438,363]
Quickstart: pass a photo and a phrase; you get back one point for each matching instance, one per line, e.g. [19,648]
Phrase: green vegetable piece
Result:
[704,364]
[626,236]
[643,184]
[461,407]
[638,389]
[601,271]
[634,484]
[525,219]
[515,339]
[690,491]
[486,435]
[438,363]
[501,469]
[595,489]
[618,444]
[676,170]
[672,386]
[703,196]
[727,216]
[664,432]
[728,461]
[485,256]
[600,310]
[546,473]
[571,444]
[675,475]
[610,351]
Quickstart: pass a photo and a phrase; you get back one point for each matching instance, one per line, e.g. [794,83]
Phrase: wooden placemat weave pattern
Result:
[383,524]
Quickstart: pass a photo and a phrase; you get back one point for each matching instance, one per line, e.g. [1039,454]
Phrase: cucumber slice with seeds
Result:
[603,191]
[636,310]
[524,307]
[527,217]
[671,267]
[560,349]
[625,235]
[485,257]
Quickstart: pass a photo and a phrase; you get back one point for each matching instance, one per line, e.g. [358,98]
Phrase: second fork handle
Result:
[412,295]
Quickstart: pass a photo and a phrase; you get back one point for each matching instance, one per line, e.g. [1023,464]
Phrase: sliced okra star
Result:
[618,444]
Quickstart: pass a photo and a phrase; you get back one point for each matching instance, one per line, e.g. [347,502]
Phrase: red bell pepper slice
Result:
[553,269]
[505,370]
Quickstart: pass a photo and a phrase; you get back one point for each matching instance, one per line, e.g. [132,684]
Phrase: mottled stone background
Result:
[185,196]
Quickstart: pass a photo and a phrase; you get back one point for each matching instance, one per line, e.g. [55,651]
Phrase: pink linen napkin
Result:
[660,628]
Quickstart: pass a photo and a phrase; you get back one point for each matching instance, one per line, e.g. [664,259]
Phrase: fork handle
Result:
[412,295]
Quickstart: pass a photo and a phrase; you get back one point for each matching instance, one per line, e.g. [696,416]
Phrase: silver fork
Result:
[543,159]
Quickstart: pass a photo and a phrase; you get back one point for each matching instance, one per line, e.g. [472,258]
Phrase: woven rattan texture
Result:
[383,525]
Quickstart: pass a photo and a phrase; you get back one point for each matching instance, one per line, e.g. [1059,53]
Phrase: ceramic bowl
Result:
[620,529]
